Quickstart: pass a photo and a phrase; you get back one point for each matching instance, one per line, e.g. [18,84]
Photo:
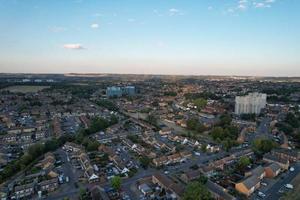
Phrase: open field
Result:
[25,88]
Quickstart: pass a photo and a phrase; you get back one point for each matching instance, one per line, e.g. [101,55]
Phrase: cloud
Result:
[261,5]
[131,20]
[97,15]
[57,29]
[94,26]
[156,12]
[174,12]
[270,1]
[161,44]
[73,46]
[242,7]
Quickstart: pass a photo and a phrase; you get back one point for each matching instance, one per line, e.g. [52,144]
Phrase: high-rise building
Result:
[129,90]
[251,103]
[120,91]
[113,91]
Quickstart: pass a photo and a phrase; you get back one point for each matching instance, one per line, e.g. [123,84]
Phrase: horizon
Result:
[210,38]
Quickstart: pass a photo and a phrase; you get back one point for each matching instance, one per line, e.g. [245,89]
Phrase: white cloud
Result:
[161,44]
[243,1]
[131,20]
[261,5]
[98,15]
[73,46]
[230,10]
[156,12]
[57,29]
[94,26]
[270,1]
[242,7]
[174,12]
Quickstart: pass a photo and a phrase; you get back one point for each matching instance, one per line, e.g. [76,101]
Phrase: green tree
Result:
[243,162]
[225,119]
[263,145]
[217,132]
[292,120]
[200,103]
[145,161]
[196,191]
[113,120]
[92,145]
[192,123]
[152,119]
[116,182]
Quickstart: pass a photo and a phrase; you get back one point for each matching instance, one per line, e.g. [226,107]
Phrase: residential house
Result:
[218,192]
[258,171]
[272,170]
[160,161]
[284,163]
[23,191]
[49,185]
[88,169]
[169,185]
[70,146]
[190,176]
[291,155]
[165,131]
[248,185]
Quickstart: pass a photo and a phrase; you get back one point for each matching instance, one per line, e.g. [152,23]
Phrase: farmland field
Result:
[25,88]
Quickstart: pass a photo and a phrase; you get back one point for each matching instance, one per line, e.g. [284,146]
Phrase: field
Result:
[25,88]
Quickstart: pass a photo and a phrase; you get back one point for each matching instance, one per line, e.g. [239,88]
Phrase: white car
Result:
[261,194]
[264,184]
[289,186]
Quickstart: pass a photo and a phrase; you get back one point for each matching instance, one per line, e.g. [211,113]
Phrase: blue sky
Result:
[215,37]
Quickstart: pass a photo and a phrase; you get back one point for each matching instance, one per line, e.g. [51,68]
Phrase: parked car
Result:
[261,194]
[264,184]
[289,186]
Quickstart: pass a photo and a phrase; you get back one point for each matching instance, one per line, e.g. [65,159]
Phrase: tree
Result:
[200,103]
[145,161]
[196,191]
[225,119]
[92,145]
[36,150]
[203,148]
[152,119]
[192,123]
[108,104]
[84,194]
[98,124]
[228,143]
[243,162]
[51,145]
[250,116]
[217,132]
[202,179]
[263,145]
[113,120]
[116,182]
[292,120]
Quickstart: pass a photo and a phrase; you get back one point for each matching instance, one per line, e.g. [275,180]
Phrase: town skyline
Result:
[243,38]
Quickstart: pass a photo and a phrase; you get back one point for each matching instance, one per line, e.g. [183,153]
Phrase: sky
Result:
[188,37]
